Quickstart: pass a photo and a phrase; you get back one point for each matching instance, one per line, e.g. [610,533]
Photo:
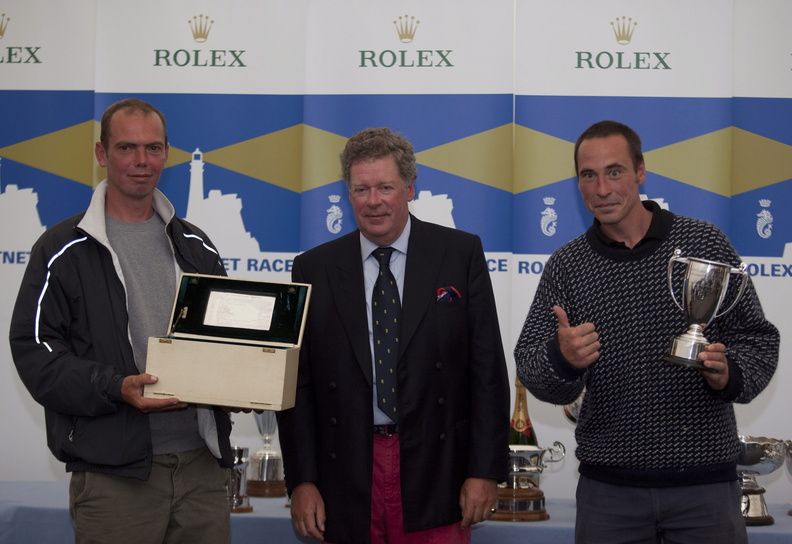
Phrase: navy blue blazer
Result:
[454,394]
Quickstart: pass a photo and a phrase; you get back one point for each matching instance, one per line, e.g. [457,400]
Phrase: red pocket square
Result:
[448,293]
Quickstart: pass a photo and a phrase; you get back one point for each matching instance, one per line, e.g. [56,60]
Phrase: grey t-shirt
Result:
[147,261]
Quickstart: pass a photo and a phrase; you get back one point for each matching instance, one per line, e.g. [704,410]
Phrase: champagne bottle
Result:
[521,432]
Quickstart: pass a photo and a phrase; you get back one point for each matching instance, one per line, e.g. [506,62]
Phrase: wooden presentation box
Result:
[231,342]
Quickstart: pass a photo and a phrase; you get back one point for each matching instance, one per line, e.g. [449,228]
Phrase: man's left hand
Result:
[714,358]
[478,499]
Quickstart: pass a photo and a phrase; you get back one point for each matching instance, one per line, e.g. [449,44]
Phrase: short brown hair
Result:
[603,129]
[128,105]
[376,143]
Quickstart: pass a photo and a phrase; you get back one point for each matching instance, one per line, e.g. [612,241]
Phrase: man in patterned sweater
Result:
[657,443]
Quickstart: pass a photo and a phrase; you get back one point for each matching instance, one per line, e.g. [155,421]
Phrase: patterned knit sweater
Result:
[643,421]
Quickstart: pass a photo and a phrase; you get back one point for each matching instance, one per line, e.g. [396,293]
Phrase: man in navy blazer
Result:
[353,473]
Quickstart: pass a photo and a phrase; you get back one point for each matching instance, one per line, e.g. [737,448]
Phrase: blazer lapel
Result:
[424,259]
[346,283]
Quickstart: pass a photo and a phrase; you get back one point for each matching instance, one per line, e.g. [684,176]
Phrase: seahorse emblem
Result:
[549,220]
[764,224]
[334,215]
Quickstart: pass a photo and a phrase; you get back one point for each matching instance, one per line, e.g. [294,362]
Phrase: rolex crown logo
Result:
[200,27]
[623,29]
[765,203]
[549,200]
[335,199]
[406,27]
[3,24]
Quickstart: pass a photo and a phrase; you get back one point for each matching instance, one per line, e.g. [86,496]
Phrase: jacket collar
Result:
[93,222]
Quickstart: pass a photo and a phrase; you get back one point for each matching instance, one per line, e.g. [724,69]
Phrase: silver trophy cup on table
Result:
[265,477]
[520,498]
[758,456]
[704,288]
[238,500]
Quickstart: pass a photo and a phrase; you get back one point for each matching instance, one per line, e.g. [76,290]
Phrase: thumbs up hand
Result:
[579,345]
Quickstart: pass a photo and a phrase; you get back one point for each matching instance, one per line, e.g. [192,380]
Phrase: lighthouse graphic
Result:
[219,215]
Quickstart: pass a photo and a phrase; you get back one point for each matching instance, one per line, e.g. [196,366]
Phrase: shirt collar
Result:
[656,229]
[400,245]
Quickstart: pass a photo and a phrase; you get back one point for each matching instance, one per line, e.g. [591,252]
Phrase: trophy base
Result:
[239,505]
[520,504]
[754,508]
[259,488]
[690,363]
[758,521]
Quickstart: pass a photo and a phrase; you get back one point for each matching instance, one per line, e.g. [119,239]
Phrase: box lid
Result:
[223,309]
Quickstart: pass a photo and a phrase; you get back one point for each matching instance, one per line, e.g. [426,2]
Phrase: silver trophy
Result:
[265,477]
[758,456]
[519,498]
[789,462]
[703,292]
[238,500]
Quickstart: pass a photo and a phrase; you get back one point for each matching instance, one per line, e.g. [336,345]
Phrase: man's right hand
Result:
[308,511]
[579,345]
[132,393]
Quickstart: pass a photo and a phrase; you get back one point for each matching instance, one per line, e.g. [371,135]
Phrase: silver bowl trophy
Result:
[758,456]
[238,500]
[703,292]
[520,499]
[265,477]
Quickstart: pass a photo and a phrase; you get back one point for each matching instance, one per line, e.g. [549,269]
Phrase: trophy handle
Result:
[558,448]
[742,272]
[675,258]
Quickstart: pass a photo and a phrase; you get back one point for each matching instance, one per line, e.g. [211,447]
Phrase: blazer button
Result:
[439,365]
[441,401]
[332,456]
[332,386]
[333,421]
[442,437]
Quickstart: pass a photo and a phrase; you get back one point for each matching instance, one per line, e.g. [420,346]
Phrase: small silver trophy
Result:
[520,498]
[703,292]
[789,462]
[265,477]
[238,500]
[758,456]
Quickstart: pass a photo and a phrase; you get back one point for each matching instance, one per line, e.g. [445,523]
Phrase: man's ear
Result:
[101,154]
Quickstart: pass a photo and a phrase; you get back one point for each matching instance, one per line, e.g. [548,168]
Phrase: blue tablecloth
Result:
[38,512]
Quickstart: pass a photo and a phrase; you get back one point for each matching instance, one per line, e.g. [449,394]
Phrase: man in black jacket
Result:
[97,286]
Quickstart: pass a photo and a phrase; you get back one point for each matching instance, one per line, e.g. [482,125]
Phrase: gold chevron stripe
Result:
[485,157]
[758,161]
[67,153]
[540,159]
[704,161]
[511,157]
